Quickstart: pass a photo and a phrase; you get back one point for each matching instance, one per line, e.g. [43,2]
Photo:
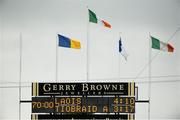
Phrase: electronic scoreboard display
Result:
[83,101]
[83,105]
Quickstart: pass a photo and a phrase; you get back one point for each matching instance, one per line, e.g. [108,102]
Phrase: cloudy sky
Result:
[37,23]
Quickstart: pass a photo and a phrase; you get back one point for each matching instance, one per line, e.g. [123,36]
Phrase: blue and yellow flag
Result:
[68,43]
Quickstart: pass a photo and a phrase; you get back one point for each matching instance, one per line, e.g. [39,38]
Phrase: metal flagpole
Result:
[87,63]
[119,55]
[20,72]
[149,72]
[56,65]
[119,60]
[87,59]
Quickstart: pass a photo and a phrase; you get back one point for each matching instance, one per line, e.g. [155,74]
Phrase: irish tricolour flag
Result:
[94,19]
[157,44]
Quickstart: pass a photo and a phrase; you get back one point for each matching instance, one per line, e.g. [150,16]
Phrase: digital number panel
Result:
[83,104]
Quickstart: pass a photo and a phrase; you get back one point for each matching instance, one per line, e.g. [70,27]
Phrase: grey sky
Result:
[39,22]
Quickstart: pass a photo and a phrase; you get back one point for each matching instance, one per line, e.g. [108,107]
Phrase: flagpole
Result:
[56,65]
[119,61]
[87,62]
[119,55]
[149,72]
[20,72]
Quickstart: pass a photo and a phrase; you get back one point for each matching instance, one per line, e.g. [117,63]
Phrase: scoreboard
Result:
[83,101]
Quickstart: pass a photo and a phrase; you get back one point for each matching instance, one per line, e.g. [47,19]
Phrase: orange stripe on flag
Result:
[170,48]
[106,24]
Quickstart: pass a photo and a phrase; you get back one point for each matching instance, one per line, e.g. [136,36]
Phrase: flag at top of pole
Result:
[159,45]
[94,19]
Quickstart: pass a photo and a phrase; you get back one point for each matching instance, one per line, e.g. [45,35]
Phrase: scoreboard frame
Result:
[45,93]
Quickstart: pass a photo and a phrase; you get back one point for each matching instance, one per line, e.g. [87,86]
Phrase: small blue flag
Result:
[122,50]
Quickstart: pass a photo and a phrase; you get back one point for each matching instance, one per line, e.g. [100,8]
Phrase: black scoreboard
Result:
[83,101]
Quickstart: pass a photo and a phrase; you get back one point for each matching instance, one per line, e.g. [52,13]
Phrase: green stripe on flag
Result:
[155,43]
[92,17]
